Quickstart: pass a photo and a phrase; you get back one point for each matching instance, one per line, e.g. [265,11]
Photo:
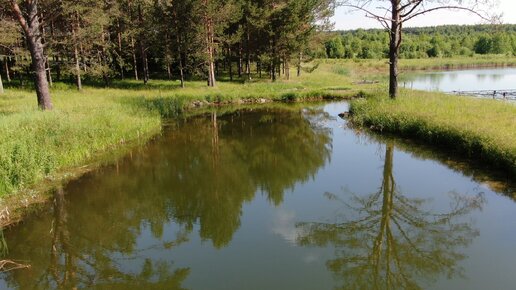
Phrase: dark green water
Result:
[273,199]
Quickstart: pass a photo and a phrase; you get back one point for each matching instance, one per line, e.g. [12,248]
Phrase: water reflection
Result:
[394,241]
[220,165]
[199,175]
[463,80]
[66,251]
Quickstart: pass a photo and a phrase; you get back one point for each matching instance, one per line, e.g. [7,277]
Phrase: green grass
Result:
[36,144]
[481,129]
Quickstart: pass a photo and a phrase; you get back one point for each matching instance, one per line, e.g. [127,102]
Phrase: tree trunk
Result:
[240,61]
[78,81]
[56,57]
[146,73]
[283,65]
[179,45]
[120,58]
[287,69]
[31,28]
[180,55]
[181,73]
[135,62]
[47,63]
[145,65]
[299,61]
[273,71]
[394,45]
[58,68]
[49,73]
[210,35]
[248,56]
[1,85]
[143,49]
[230,64]
[7,73]
[103,56]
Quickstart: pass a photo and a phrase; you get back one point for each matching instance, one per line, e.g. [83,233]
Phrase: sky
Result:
[346,19]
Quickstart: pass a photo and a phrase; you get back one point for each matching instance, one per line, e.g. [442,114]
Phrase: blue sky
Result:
[345,19]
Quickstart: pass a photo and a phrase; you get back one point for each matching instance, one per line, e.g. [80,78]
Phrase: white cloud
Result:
[284,225]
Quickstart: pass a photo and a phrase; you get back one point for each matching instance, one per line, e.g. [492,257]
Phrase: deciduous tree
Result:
[28,16]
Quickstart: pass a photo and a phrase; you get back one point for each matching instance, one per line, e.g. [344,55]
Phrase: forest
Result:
[100,41]
[142,39]
[423,42]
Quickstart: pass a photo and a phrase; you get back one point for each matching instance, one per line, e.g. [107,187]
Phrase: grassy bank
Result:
[37,145]
[480,129]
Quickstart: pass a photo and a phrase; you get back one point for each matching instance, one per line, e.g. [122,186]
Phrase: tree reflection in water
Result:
[77,262]
[118,226]
[394,243]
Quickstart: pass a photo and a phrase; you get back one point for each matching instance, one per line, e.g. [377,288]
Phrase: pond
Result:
[281,197]
[462,80]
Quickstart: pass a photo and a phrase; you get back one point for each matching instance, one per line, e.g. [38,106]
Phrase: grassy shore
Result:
[37,145]
[480,129]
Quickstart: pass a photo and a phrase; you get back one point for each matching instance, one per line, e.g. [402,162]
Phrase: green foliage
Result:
[425,42]
[334,48]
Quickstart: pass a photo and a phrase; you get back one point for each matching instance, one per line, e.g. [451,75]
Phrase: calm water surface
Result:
[272,199]
[462,80]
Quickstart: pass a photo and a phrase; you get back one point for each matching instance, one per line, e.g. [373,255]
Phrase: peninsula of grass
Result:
[478,128]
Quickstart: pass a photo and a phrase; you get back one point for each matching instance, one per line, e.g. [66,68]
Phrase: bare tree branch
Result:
[446,8]
[369,13]
[411,2]
[8,265]
[411,10]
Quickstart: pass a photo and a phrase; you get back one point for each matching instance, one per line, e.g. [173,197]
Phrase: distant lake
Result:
[461,80]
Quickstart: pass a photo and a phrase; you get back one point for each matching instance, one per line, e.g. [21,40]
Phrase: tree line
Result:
[48,40]
[423,42]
